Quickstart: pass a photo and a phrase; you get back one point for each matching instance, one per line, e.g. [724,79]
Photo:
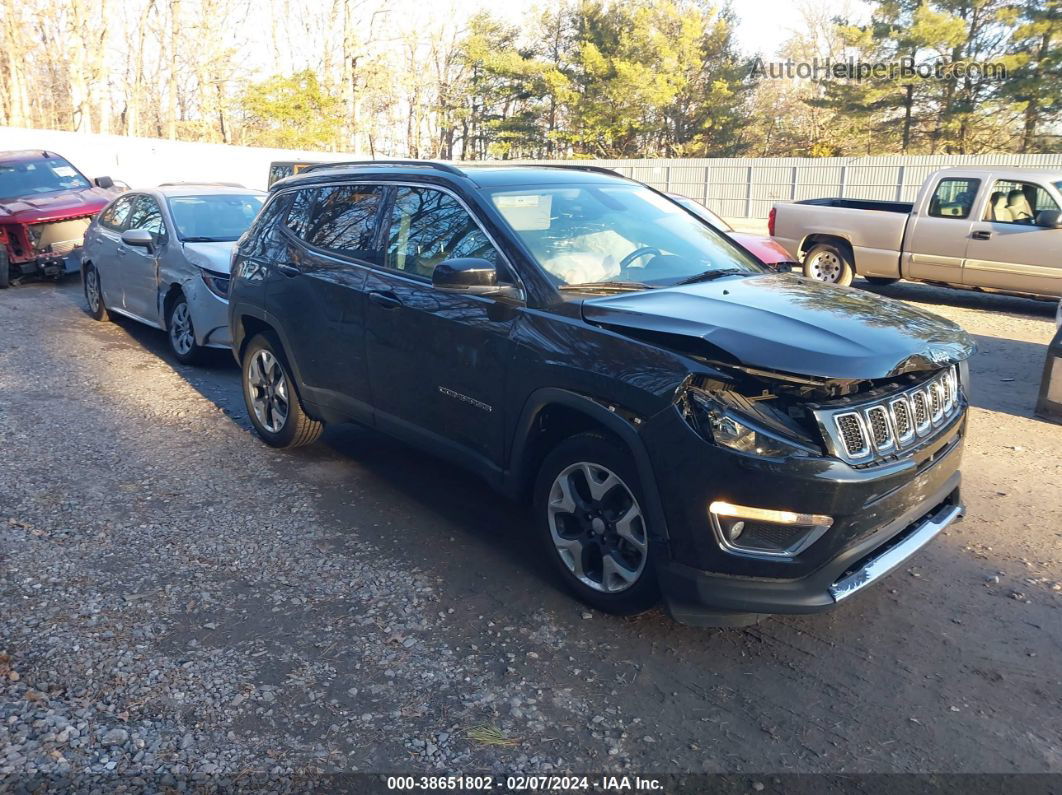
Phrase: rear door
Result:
[139,266]
[937,234]
[438,360]
[102,248]
[1007,250]
[317,291]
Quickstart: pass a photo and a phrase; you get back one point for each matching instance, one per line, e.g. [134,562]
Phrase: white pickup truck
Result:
[993,228]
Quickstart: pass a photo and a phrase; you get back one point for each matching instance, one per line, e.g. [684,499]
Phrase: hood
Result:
[790,324]
[766,250]
[53,206]
[215,257]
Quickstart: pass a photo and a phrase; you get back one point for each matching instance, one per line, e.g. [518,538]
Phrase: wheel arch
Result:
[841,242]
[166,302]
[551,415]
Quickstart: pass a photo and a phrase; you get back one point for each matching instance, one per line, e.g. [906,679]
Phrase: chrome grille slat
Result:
[894,423]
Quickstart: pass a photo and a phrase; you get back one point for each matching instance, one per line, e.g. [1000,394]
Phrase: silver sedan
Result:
[162,256]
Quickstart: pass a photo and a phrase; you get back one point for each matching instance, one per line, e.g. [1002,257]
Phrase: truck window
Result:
[1017,202]
[954,197]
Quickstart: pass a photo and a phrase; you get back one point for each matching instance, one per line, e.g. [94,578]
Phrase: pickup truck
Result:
[991,229]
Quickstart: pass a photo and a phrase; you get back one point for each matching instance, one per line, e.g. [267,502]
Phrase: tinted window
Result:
[429,226]
[954,198]
[1017,202]
[340,218]
[114,216]
[147,215]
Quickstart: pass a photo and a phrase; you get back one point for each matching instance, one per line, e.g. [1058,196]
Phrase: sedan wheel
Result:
[182,333]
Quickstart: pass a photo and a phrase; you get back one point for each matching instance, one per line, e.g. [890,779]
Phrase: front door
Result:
[937,236]
[1007,250]
[438,360]
[140,266]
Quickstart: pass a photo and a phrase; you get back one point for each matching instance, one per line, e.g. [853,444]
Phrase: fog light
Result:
[763,532]
[1049,406]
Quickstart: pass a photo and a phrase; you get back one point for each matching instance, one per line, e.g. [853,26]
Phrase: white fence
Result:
[735,188]
[747,187]
[144,162]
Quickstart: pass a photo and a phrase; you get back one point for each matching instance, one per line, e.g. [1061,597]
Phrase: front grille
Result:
[876,429]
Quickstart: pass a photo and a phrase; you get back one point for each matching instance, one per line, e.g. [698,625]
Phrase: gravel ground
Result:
[180,600]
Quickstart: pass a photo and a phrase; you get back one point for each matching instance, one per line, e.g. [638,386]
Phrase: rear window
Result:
[954,197]
[340,218]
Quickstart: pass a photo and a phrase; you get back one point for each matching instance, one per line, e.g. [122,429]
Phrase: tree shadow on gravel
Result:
[930,294]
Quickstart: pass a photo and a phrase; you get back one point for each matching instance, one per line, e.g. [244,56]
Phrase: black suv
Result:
[683,422]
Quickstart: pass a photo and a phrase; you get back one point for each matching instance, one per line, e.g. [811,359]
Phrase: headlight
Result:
[724,426]
[217,283]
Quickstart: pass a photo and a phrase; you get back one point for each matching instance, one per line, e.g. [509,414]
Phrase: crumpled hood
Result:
[790,324]
[215,257]
[53,206]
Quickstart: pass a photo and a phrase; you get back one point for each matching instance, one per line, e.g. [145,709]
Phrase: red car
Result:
[761,246]
[45,206]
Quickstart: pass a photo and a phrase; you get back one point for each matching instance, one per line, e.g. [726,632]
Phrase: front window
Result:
[616,235]
[47,175]
[220,217]
[1017,202]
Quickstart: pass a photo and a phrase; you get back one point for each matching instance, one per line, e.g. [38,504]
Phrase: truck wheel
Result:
[827,263]
[180,332]
[5,270]
[94,294]
[591,518]
[880,281]
[272,400]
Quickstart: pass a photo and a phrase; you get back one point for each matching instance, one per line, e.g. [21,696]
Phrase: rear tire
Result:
[828,264]
[881,281]
[5,269]
[94,294]
[271,397]
[592,521]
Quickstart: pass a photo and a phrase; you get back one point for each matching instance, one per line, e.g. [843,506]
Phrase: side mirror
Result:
[1049,219]
[139,237]
[103,182]
[465,275]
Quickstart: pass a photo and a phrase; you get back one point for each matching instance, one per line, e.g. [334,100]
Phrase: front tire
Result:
[94,295]
[181,333]
[272,401]
[829,264]
[591,518]
[5,269]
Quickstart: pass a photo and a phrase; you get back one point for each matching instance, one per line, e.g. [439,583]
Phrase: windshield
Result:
[47,175]
[703,213]
[616,234]
[221,217]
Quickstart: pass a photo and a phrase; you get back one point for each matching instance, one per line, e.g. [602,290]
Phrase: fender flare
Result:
[614,420]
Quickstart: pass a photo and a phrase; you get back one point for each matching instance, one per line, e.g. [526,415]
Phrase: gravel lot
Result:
[177,598]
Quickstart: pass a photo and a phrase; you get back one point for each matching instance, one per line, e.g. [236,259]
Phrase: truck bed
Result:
[862,204]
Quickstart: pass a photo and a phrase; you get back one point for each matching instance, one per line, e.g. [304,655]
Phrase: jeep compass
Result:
[684,423]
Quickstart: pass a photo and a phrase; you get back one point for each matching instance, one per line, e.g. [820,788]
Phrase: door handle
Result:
[288,270]
[387,299]
[121,251]
[980,234]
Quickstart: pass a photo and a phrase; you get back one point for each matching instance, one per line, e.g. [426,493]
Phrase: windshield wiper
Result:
[711,275]
[604,286]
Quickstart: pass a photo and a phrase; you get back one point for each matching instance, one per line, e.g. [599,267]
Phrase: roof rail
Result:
[574,167]
[396,163]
